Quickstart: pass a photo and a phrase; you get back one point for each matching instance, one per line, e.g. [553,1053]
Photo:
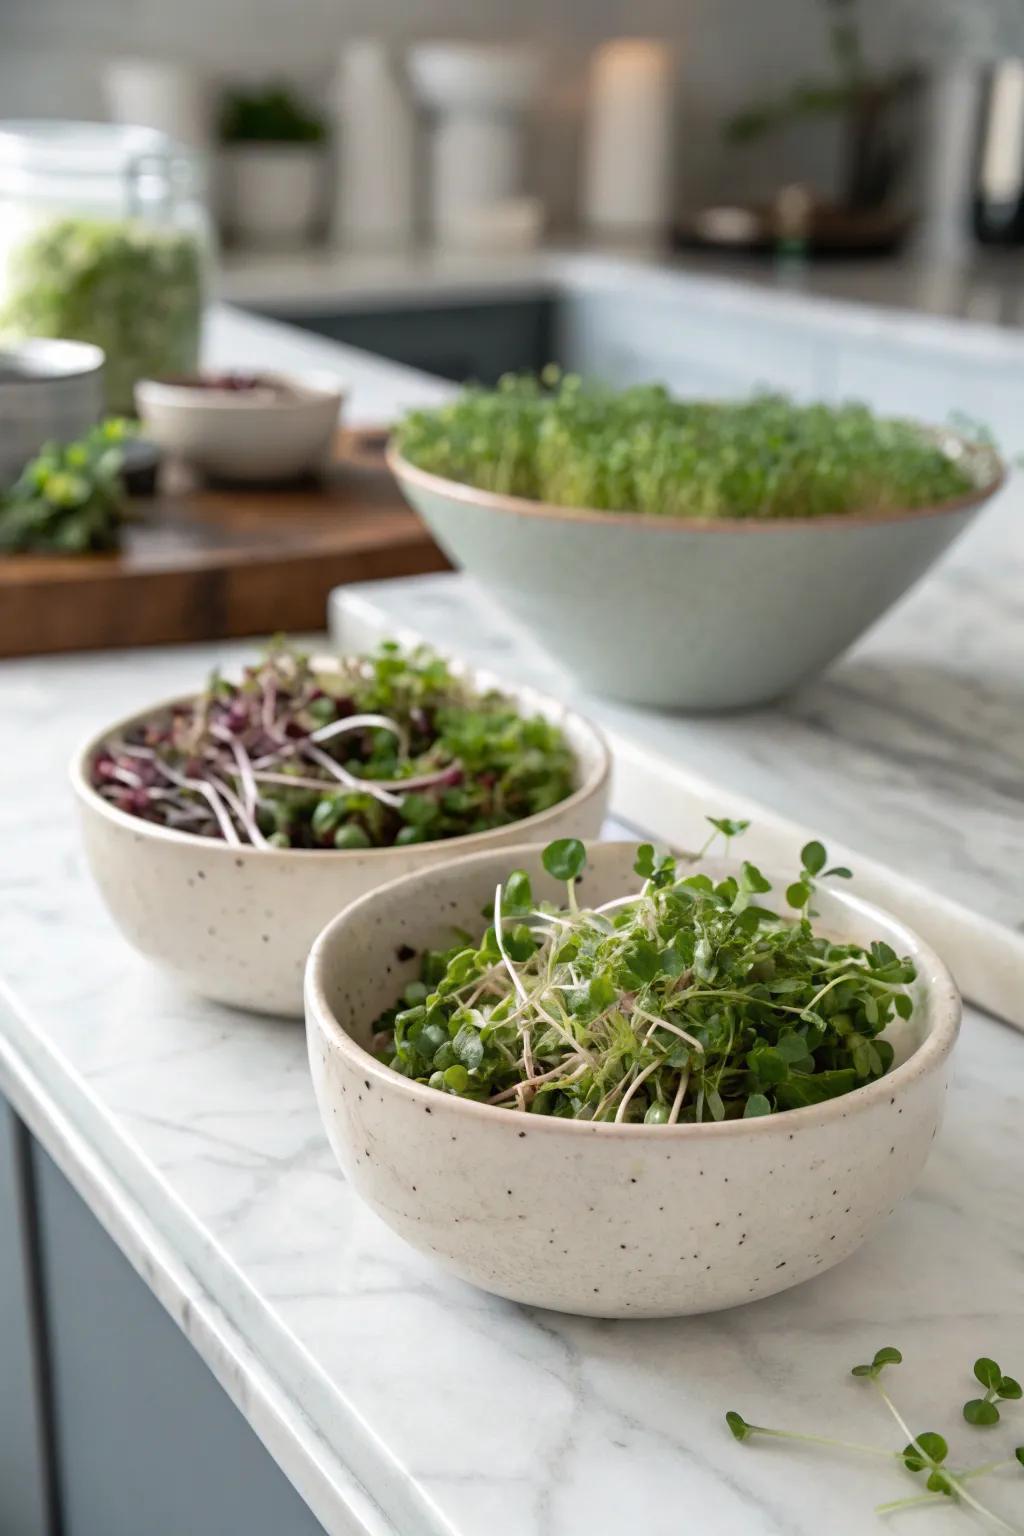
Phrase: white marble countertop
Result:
[400,1402]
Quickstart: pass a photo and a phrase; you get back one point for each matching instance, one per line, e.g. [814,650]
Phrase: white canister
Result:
[628,139]
[151,93]
[477,95]
[373,204]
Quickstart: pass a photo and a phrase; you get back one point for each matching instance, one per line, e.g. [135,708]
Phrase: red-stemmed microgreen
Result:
[337,753]
[926,1452]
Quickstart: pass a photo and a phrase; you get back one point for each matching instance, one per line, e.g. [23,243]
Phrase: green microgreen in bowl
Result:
[926,1452]
[560,441]
[688,1001]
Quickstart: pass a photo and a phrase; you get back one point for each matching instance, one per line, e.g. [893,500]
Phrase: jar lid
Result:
[33,149]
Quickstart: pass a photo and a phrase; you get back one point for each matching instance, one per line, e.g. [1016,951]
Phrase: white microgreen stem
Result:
[200,787]
[235,805]
[350,780]
[545,1078]
[842,1445]
[657,1023]
[915,1502]
[996,1521]
[362,723]
[521,991]
[937,1498]
[677,1102]
[634,1085]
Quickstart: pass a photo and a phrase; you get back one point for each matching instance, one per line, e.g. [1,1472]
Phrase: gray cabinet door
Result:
[477,342]
[23,1476]
[147,1442]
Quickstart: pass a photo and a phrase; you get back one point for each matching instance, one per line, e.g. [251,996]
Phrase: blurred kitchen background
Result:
[875,106]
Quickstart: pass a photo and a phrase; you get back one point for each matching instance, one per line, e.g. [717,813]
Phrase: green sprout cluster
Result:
[129,286]
[688,1001]
[559,441]
[926,1452]
[69,499]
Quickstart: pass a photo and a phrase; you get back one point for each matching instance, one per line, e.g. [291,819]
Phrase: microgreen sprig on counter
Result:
[558,440]
[924,1452]
[338,752]
[686,1001]
[999,1389]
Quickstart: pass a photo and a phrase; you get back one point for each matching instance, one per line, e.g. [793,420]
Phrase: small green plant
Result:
[565,443]
[271,115]
[925,1452]
[998,1389]
[69,499]
[689,1001]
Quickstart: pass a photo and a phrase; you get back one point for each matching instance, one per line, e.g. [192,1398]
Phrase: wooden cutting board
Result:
[204,563]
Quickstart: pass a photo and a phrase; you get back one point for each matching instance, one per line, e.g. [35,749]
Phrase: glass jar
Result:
[104,238]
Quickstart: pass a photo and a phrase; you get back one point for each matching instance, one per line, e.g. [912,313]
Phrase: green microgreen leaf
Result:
[813,858]
[934,1447]
[727,825]
[643,864]
[980,1412]
[517,894]
[756,1105]
[988,1373]
[565,859]
[887,1355]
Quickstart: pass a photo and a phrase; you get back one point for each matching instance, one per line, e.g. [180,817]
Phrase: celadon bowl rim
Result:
[943,996]
[981,460]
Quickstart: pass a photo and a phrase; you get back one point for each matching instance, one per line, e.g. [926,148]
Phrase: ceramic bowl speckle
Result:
[606,1220]
[236,924]
[691,614]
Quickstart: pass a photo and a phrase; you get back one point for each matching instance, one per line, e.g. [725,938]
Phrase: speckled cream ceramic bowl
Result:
[607,1220]
[235,924]
[684,613]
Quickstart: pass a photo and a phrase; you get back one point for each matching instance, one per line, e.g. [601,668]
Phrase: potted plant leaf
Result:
[272,166]
[873,109]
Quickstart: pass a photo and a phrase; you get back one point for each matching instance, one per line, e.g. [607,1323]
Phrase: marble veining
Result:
[449,1411]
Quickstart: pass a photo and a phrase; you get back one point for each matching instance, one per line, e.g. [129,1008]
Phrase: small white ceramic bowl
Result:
[235,924]
[607,1220]
[49,390]
[256,435]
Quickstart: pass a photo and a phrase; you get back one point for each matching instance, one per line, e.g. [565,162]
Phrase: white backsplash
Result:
[730,51]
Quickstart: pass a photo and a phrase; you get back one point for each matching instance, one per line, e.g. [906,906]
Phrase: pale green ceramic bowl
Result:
[692,614]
